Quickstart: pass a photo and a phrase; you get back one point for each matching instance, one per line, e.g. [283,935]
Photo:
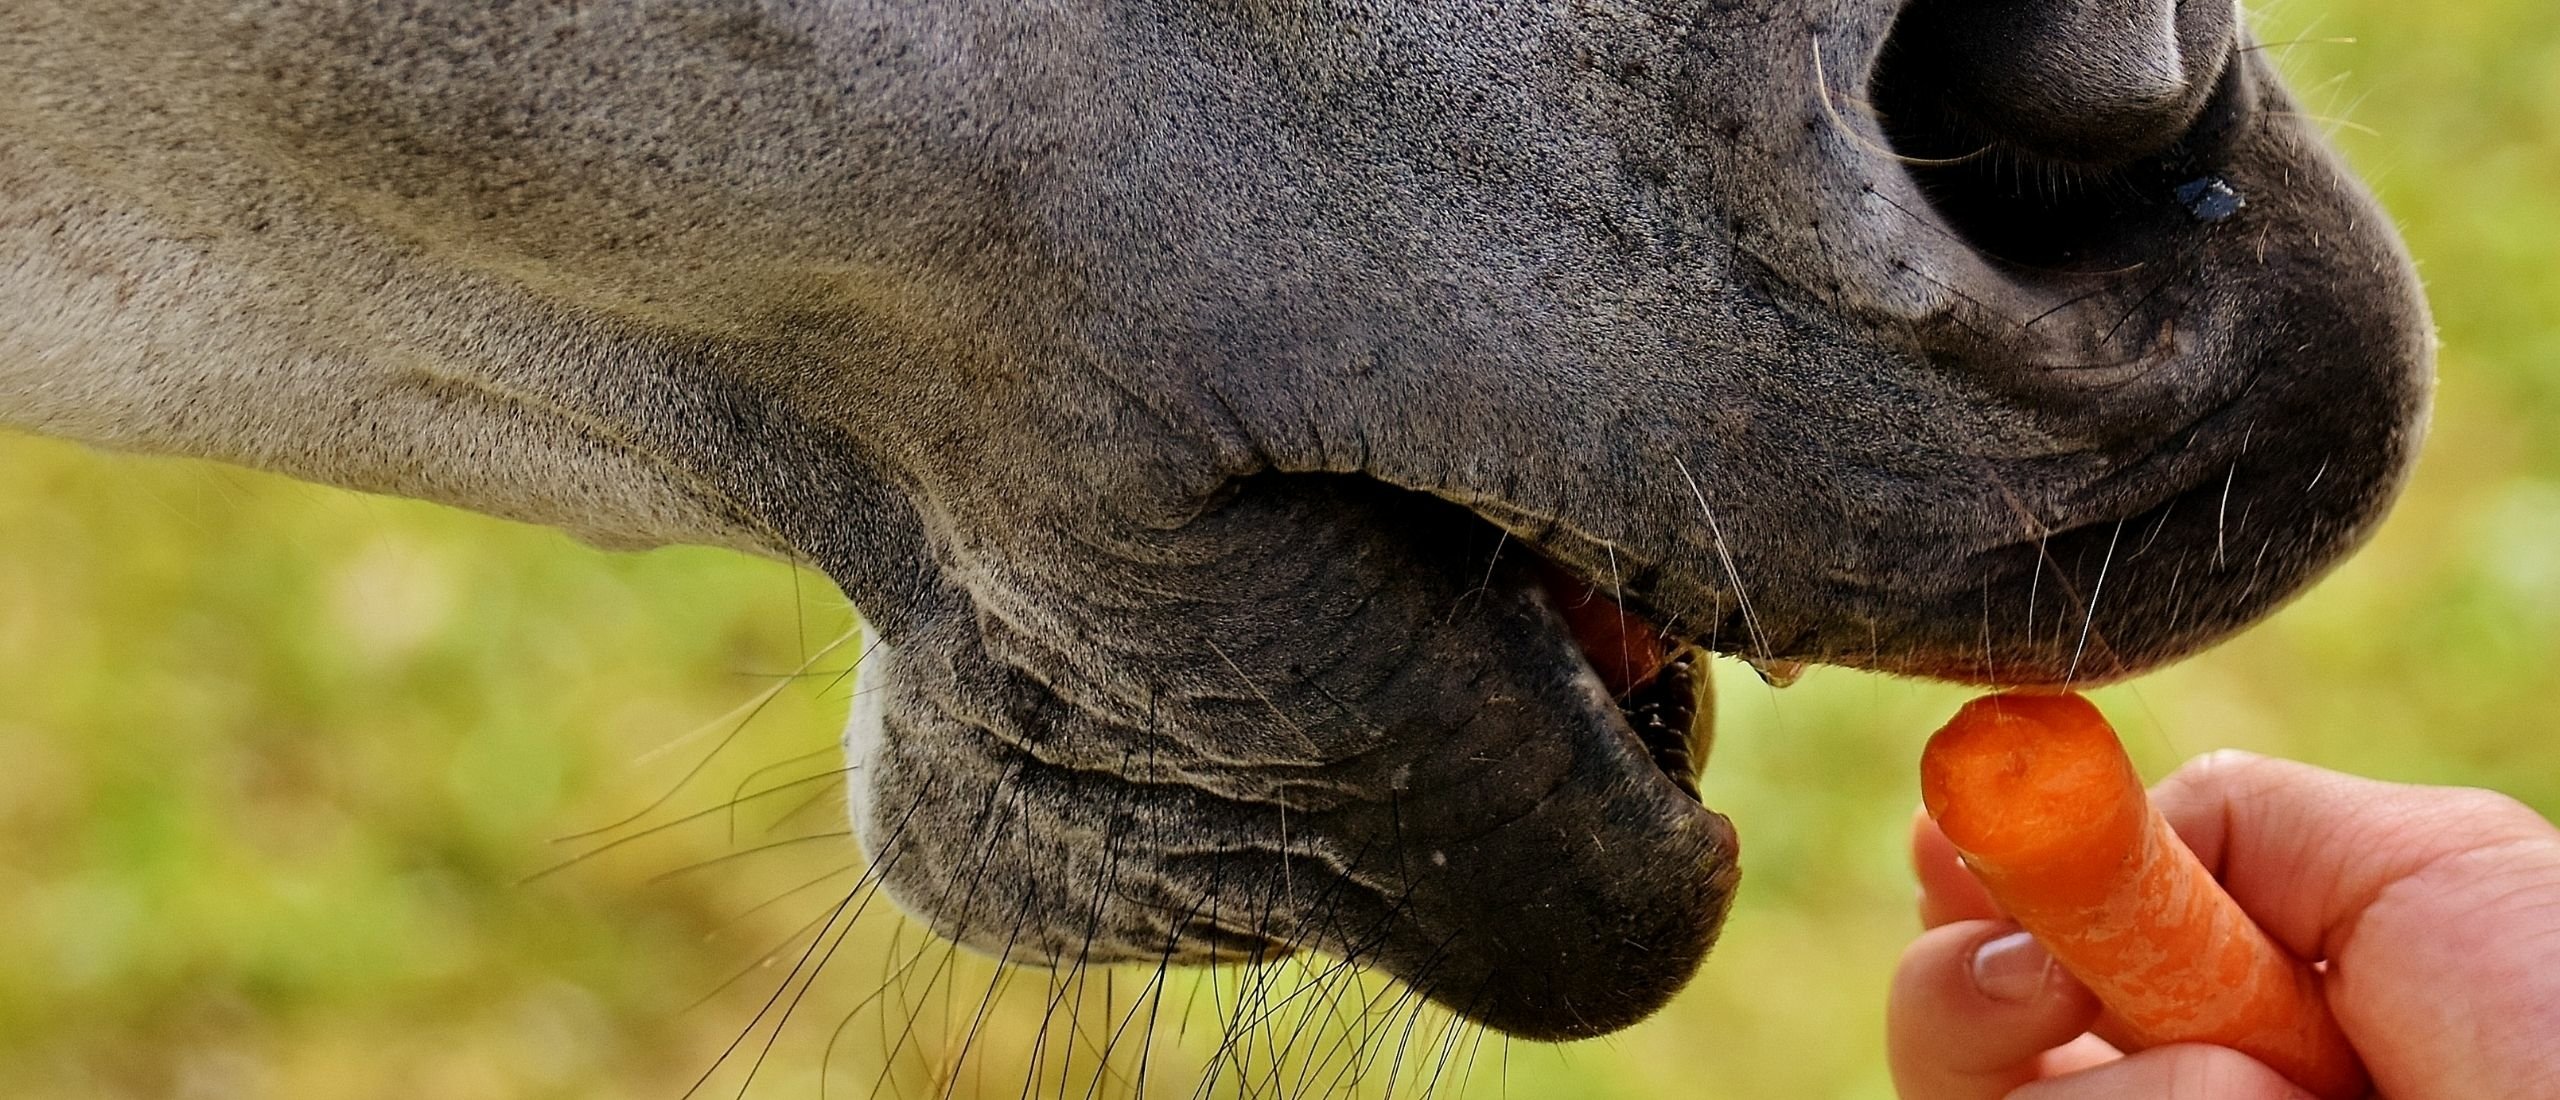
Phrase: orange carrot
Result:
[2037,795]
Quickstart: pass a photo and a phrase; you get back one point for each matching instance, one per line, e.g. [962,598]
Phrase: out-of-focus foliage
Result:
[273,759]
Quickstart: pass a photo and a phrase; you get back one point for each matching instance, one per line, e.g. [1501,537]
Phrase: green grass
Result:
[273,759]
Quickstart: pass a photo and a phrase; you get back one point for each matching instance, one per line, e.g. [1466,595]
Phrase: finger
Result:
[1974,1006]
[2432,907]
[2184,1071]
[2304,849]
[1948,892]
[2077,1055]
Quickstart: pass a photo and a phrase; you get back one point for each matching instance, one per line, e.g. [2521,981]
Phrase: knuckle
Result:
[2490,811]
[2429,825]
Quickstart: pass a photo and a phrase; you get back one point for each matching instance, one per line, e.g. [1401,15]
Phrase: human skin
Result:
[2436,910]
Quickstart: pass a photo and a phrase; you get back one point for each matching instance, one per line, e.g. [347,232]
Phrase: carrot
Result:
[2039,798]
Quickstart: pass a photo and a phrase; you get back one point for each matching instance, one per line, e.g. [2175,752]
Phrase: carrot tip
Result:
[2019,778]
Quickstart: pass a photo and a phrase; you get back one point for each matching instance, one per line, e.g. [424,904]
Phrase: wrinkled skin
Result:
[1184,389]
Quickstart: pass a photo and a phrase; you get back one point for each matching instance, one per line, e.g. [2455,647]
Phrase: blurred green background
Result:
[275,760]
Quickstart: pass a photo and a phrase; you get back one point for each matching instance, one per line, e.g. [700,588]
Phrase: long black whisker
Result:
[728,857]
[753,710]
[687,819]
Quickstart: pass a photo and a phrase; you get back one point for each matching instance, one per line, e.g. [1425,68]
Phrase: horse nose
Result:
[2094,82]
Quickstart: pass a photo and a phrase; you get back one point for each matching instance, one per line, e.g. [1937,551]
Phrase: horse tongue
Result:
[1622,647]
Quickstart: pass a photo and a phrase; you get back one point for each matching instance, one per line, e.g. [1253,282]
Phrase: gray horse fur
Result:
[1182,389]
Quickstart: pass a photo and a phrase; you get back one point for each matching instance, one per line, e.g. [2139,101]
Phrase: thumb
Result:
[2433,909]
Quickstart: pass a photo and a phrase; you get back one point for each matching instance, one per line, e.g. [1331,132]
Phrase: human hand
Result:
[2437,911]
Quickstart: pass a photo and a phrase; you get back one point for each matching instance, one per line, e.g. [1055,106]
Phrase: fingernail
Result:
[2011,969]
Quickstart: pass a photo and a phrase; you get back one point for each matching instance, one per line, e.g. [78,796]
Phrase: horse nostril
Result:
[2092,82]
[2067,135]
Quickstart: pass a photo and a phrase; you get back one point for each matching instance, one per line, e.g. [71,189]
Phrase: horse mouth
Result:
[1659,683]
